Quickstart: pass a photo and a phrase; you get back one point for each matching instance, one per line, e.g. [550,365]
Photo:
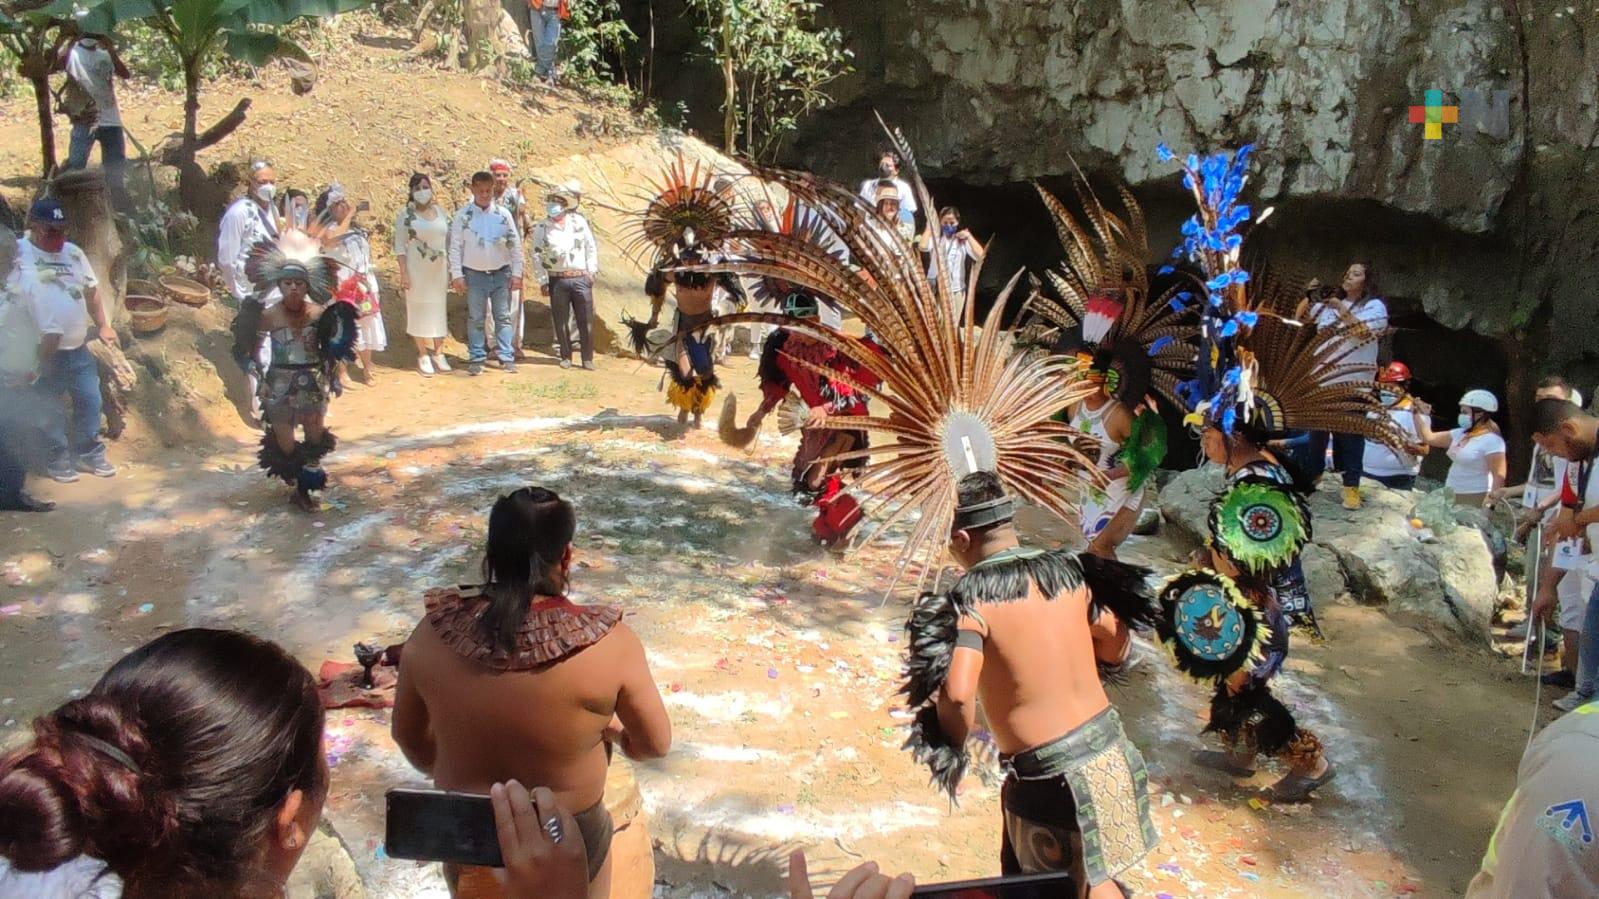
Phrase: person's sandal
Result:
[1221,761]
[1297,787]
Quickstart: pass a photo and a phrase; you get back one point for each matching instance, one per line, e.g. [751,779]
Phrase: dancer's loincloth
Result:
[692,338]
[1079,804]
[472,882]
[1099,507]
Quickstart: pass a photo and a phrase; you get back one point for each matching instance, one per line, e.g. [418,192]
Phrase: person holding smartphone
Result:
[1030,629]
[511,679]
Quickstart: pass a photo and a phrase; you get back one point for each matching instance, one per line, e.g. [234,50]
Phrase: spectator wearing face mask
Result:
[955,245]
[888,170]
[64,298]
[1387,466]
[1476,449]
[566,258]
[421,242]
[249,220]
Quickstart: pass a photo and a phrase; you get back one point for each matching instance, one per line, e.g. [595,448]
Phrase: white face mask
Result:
[1466,420]
[554,210]
[423,196]
[266,191]
[88,43]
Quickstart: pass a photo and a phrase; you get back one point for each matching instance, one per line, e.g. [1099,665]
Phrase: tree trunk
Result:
[92,226]
[47,131]
[729,84]
[480,21]
[191,104]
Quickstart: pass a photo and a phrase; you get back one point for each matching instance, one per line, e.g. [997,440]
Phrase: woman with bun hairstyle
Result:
[193,768]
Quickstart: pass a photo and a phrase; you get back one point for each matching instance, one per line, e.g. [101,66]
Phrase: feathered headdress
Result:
[1106,317]
[685,208]
[1262,364]
[293,254]
[959,399]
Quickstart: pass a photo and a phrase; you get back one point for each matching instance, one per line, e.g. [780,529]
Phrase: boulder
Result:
[1372,553]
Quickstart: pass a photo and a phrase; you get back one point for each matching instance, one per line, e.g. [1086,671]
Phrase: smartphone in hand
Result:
[441,826]
[1019,886]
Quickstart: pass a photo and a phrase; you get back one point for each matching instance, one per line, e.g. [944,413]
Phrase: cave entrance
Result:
[1304,238]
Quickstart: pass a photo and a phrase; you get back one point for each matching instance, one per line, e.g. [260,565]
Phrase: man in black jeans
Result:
[566,258]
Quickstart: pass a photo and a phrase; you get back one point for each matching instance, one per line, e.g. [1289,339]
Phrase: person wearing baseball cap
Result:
[60,287]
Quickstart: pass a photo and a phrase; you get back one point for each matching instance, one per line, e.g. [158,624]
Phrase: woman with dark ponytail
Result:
[511,679]
[193,768]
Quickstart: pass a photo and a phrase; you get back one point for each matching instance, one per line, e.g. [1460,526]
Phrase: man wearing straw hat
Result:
[566,258]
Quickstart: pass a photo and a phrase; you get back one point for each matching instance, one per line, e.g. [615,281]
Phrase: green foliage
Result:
[590,39]
[158,235]
[781,60]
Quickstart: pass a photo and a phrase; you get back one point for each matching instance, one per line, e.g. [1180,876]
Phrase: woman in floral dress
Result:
[421,239]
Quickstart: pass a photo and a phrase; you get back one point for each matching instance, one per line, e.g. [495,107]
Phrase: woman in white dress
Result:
[421,238]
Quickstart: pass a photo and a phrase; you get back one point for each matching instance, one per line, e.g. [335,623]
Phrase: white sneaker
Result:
[1571,702]
[424,364]
[440,363]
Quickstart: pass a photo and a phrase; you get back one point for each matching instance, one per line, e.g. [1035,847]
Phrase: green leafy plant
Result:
[198,32]
[776,63]
[30,35]
[594,36]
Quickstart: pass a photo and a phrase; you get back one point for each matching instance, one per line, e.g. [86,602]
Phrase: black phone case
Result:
[439,826]
[1019,886]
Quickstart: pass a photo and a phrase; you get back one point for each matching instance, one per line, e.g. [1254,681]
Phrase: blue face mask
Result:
[1388,397]
[554,210]
[949,230]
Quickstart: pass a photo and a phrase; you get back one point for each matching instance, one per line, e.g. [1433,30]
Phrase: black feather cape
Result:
[933,624]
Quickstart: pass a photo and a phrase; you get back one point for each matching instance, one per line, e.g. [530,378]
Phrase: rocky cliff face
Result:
[1488,228]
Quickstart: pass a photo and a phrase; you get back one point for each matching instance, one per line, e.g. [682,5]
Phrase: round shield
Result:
[1207,623]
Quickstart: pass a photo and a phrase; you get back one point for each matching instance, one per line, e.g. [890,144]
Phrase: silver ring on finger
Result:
[554,829]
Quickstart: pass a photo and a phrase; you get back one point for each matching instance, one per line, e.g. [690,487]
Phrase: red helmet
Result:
[1395,373]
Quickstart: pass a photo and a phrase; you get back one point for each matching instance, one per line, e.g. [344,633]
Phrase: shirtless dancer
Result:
[1025,631]
[691,359]
[512,680]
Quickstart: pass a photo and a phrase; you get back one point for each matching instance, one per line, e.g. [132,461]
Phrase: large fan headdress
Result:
[1105,316]
[958,397]
[685,208]
[293,254]
[1264,363]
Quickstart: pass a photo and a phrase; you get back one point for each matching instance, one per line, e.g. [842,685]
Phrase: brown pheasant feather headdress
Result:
[959,397]
[685,208]
[1126,339]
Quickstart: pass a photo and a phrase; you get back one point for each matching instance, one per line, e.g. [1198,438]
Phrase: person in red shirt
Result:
[786,364]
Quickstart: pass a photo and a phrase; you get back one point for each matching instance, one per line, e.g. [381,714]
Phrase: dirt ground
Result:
[778,662]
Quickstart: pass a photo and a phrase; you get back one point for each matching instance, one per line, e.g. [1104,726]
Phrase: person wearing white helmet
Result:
[1476,448]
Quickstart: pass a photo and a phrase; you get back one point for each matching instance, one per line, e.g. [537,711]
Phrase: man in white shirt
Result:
[20,407]
[485,257]
[90,62]
[1565,430]
[60,286]
[888,170]
[1358,300]
[565,260]
[248,220]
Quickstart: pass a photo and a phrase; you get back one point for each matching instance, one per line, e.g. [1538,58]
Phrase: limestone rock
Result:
[1487,229]
[1373,554]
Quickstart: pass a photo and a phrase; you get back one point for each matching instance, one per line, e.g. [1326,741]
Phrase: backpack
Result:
[76,104]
